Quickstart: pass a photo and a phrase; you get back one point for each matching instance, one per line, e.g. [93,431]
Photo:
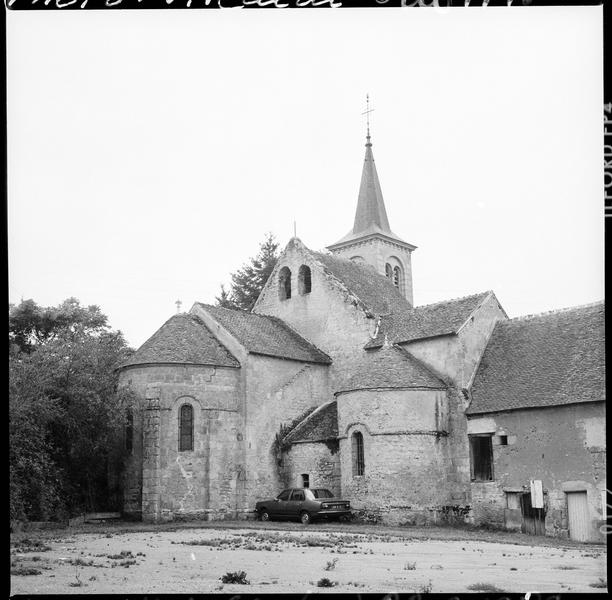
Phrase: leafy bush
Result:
[235,577]
[325,582]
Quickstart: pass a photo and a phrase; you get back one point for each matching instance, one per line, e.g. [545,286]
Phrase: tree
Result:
[249,280]
[65,411]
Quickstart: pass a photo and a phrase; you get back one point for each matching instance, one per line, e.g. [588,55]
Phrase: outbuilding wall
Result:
[563,446]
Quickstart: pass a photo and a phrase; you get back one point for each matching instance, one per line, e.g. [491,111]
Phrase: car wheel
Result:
[305,518]
[264,515]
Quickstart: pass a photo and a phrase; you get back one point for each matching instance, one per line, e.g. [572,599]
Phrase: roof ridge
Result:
[453,299]
[555,311]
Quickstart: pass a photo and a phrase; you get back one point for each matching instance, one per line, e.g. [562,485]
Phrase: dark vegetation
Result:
[66,414]
[249,280]
[235,577]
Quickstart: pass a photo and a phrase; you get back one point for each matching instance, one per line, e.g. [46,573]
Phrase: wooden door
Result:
[533,518]
[578,516]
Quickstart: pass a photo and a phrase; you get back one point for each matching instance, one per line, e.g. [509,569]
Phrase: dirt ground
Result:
[292,558]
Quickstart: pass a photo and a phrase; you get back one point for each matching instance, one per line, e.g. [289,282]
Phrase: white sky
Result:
[150,151]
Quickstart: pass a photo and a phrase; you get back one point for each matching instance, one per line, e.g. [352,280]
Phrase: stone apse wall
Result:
[563,446]
[406,452]
[205,482]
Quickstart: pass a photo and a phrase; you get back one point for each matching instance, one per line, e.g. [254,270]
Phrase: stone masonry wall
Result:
[278,391]
[326,317]
[562,446]
[456,357]
[320,461]
[202,482]
[404,434]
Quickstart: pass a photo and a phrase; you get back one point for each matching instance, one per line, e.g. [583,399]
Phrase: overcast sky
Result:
[150,151]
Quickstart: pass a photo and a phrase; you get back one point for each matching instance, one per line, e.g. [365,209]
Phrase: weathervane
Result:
[367,112]
[178,306]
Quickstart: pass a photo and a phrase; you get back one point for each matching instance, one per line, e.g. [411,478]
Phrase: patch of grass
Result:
[484,587]
[426,588]
[325,582]
[20,570]
[566,567]
[29,545]
[235,577]
[121,556]
[331,564]
[602,583]
[410,566]
[79,562]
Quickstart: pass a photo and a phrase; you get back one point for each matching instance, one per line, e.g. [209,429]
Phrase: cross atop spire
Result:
[367,112]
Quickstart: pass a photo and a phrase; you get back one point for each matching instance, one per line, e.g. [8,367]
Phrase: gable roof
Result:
[390,367]
[543,360]
[319,425]
[183,339]
[376,292]
[266,335]
[430,320]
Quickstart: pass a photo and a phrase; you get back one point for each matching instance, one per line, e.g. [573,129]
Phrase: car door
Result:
[280,506]
[296,504]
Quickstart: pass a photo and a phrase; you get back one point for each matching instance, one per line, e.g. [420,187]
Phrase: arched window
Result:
[186,428]
[358,458]
[284,284]
[397,277]
[304,280]
[388,270]
[129,430]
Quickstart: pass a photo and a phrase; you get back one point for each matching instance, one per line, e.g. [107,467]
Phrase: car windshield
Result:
[322,493]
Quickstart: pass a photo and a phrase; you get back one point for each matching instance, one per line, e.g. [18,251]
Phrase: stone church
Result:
[417,414]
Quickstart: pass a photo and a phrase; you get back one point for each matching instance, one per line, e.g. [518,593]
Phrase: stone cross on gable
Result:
[178,306]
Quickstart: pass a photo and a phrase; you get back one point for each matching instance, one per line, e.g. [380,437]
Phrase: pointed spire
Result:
[370,203]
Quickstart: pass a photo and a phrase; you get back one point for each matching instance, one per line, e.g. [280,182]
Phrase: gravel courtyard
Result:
[288,557]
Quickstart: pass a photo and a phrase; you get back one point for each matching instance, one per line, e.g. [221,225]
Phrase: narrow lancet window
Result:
[186,428]
[358,457]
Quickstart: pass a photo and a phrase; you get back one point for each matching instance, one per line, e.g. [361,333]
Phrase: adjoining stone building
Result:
[335,379]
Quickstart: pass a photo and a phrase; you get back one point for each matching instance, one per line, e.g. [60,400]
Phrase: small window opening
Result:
[304,280]
[481,455]
[186,428]
[503,440]
[129,430]
[305,480]
[284,284]
[358,457]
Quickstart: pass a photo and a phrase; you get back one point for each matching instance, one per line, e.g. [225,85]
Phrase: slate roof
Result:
[262,334]
[441,318]
[321,424]
[543,360]
[183,339]
[376,292]
[390,367]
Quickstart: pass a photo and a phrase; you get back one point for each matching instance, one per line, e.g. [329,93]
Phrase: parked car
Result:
[305,504]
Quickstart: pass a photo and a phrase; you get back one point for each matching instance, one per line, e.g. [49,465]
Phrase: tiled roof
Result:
[261,334]
[543,360]
[430,320]
[321,424]
[183,339]
[376,292]
[390,367]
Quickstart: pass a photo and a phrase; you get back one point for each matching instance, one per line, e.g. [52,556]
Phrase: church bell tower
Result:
[371,240]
